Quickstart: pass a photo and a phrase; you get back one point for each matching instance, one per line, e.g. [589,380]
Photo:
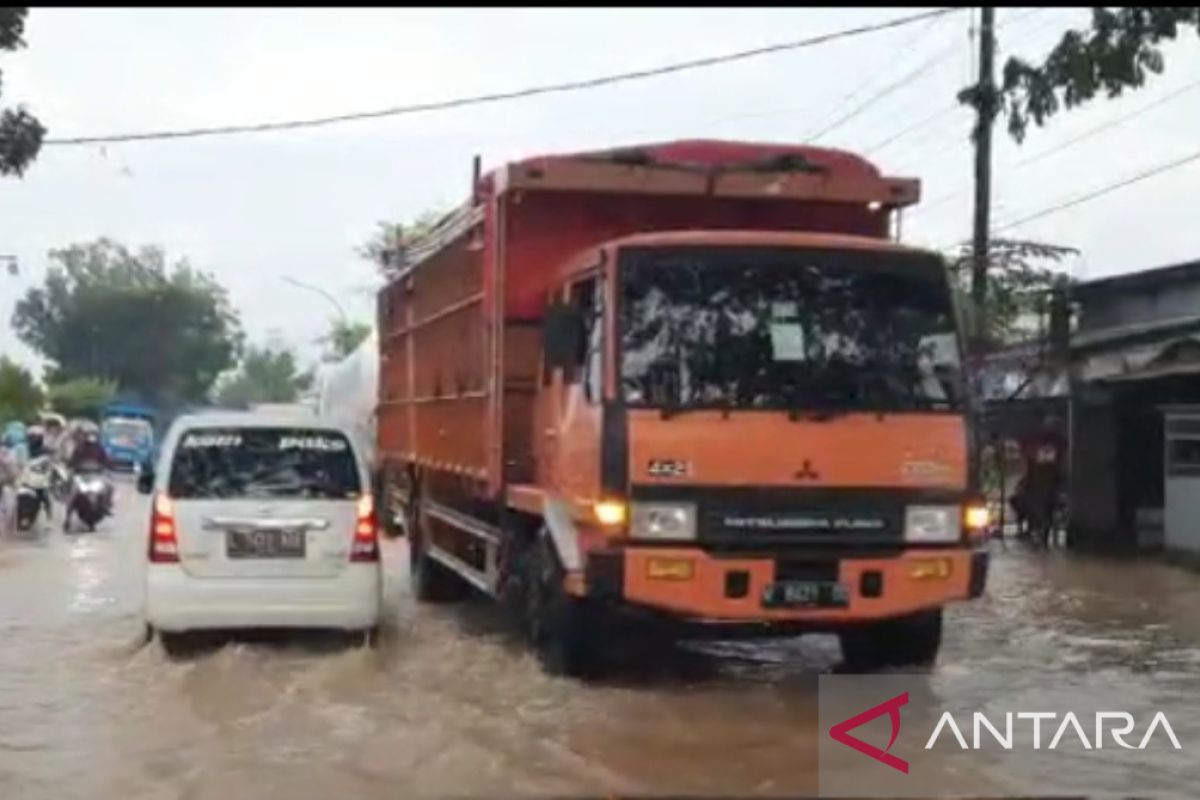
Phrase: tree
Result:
[382,243]
[81,397]
[264,376]
[107,312]
[1118,52]
[344,338]
[1019,283]
[20,396]
[21,133]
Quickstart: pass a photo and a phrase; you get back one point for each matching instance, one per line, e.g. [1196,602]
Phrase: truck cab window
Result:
[586,299]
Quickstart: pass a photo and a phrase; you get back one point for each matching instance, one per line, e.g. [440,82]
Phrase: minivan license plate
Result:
[265,544]
[806,594]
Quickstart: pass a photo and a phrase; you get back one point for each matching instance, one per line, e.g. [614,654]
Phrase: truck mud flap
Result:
[563,534]
[979,572]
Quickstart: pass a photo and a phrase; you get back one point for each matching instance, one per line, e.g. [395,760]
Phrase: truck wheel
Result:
[176,645]
[561,628]
[432,581]
[908,641]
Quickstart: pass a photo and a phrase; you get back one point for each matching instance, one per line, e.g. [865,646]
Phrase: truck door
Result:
[571,453]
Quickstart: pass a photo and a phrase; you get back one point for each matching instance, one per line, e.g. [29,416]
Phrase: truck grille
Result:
[826,518]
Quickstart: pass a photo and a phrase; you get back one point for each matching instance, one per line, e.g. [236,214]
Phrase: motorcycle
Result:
[91,499]
[33,493]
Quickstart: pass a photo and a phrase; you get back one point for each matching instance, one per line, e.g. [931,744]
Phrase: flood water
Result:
[451,704]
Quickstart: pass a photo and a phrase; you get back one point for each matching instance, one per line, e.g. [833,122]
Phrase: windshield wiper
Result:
[817,413]
[670,410]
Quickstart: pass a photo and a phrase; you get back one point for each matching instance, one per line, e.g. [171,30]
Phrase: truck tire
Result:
[176,645]
[432,581]
[561,628]
[909,641]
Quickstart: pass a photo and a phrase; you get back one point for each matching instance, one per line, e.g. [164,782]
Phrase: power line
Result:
[941,141]
[1110,124]
[914,127]
[569,86]
[946,109]
[905,47]
[1112,187]
[1102,128]
[899,83]
[1046,22]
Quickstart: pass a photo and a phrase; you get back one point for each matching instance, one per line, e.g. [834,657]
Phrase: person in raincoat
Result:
[16,441]
[13,455]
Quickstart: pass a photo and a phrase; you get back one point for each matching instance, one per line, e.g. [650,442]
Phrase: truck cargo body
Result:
[695,380]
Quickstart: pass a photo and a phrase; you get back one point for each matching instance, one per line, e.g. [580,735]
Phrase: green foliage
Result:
[382,243]
[105,311]
[20,396]
[264,376]
[1019,280]
[21,133]
[1118,52]
[81,397]
[344,338]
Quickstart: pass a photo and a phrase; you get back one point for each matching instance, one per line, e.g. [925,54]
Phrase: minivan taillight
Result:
[366,532]
[164,546]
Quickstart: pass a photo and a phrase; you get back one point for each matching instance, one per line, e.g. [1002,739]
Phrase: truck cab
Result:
[774,424]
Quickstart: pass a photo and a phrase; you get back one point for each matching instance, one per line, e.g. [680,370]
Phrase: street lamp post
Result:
[333,300]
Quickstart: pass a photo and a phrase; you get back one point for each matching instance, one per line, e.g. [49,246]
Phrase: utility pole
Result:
[985,95]
[985,107]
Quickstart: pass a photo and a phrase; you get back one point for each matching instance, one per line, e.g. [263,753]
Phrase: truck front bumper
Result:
[701,586]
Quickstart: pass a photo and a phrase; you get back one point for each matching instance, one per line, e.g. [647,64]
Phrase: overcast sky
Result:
[252,208]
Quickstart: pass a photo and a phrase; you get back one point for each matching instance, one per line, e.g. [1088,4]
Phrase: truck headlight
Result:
[663,521]
[932,524]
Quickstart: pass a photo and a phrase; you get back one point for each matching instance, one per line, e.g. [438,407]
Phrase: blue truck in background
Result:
[127,432]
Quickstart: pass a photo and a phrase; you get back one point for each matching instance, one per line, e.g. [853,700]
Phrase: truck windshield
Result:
[135,431]
[787,328]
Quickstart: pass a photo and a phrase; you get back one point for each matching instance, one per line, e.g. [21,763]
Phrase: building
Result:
[1135,351]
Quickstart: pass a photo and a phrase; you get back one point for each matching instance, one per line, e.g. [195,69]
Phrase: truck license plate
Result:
[806,594]
[265,544]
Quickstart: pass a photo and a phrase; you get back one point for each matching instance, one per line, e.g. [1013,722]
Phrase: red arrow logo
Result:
[841,732]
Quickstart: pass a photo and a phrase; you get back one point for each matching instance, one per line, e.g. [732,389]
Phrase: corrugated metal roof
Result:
[1124,335]
[1143,277]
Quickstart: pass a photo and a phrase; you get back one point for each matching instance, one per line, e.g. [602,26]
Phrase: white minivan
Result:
[260,520]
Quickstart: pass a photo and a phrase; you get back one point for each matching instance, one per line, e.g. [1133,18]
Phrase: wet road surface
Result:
[452,704]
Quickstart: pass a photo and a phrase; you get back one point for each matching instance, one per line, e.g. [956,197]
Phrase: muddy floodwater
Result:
[451,704]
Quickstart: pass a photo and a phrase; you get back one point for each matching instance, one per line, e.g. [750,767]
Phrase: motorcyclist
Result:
[54,432]
[87,458]
[38,452]
[14,440]
[89,455]
[35,441]
[9,474]
[1039,491]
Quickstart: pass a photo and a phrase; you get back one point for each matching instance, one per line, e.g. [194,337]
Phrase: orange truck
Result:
[695,383]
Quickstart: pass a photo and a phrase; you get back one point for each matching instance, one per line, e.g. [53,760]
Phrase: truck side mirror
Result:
[562,335]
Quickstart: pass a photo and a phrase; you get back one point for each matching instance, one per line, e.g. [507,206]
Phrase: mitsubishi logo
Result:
[806,472]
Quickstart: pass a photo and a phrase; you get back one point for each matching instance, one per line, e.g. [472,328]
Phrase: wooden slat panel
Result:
[450,434]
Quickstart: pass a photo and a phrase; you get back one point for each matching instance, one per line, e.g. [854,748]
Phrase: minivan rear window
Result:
[213,463]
